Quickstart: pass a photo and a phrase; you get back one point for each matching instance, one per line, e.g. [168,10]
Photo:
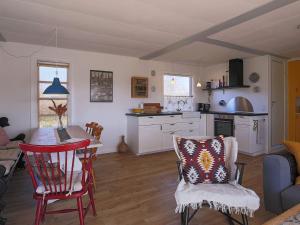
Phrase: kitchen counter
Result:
[154,114]
[236,113]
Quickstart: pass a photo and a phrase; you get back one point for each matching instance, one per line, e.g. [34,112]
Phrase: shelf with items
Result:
[210,90]
[225,87]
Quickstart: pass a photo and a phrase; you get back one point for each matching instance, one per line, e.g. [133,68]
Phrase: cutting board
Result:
[152,108]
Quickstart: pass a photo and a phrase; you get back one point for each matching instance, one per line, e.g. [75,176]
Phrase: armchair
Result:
[279,175]
[225,198]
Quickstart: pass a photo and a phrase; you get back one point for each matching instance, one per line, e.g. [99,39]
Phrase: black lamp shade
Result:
[56,88]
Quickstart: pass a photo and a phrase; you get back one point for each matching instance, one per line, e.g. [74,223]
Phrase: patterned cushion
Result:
[203,160]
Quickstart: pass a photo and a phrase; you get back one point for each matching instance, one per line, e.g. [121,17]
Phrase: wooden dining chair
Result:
[57,173]
[95,130]
[89,127]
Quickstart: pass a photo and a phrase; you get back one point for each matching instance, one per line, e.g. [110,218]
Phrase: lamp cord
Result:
[35,51]
[29,56]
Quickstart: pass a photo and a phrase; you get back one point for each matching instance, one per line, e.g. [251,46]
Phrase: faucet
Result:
[178,104]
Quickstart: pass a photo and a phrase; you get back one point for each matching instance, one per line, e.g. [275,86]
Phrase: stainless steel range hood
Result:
[239,104]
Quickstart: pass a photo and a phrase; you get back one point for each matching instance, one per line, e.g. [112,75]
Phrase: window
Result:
[177,85]
[46,73]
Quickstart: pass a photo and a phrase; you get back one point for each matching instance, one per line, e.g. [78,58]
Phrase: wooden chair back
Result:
[52,168]
[89,127]
[97,131]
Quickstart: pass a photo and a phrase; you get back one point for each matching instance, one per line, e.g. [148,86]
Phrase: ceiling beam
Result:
[234,46]
[203,35]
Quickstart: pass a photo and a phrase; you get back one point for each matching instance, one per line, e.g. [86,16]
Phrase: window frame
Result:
[179,75]
[52,65]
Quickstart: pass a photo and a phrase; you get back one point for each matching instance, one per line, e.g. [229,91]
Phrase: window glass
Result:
[176,85]
[48,118]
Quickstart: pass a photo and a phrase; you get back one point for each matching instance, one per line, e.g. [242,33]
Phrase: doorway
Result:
[277,103]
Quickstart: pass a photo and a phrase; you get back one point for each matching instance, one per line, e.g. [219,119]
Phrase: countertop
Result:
[210,112]
[154,114]
[236,113]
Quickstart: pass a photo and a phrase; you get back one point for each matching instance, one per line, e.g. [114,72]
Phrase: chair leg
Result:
[91,195]
[93,177]
[245,219]
[185,216]
[229,219]
[80,210]
[38,212]
[44,210]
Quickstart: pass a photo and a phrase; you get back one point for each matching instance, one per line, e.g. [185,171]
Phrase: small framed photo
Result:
[101,86]
[139,87]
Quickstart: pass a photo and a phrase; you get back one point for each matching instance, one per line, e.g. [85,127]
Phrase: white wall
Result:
[18,87]
[259,100]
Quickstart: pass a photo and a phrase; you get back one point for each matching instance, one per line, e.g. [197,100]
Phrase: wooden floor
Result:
[131,190]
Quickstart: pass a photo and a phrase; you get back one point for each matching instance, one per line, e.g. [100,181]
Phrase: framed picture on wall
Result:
[139,87]
[101,86]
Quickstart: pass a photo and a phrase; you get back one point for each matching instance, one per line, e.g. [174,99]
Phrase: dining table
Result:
[51,136]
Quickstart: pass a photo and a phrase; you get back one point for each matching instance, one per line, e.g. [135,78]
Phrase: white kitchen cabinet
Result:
[242,135]
[210,127]
[250,132]
[167,140]
[149,134]
[203,125]
[150,138]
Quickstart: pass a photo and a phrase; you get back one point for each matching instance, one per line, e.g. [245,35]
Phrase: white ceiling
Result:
[199,53]
[139,27]
[275,32]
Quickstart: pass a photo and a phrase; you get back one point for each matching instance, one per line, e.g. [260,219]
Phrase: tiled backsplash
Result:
[175,103]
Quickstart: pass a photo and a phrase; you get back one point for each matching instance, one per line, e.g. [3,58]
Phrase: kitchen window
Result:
[178,93]
[46,73]
[177,85]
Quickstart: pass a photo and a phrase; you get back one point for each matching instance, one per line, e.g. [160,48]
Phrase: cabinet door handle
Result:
[172,132]
[191,123]
[191,130]
[171,116]
[150,117]
[172,124]
[160,127]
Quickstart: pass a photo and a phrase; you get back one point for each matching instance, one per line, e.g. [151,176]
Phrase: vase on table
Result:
[60,123]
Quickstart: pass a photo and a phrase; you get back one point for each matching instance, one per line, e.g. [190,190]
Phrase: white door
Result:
[277,103]
[150,138]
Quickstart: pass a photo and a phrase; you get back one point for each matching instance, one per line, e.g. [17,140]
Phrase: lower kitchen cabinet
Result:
[150,138]
[250,132]
[167,140]
[152,134]
[242,135]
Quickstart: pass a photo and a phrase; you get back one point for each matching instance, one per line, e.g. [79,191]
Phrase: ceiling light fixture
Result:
[173,81]
[56,87]
[198,84]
